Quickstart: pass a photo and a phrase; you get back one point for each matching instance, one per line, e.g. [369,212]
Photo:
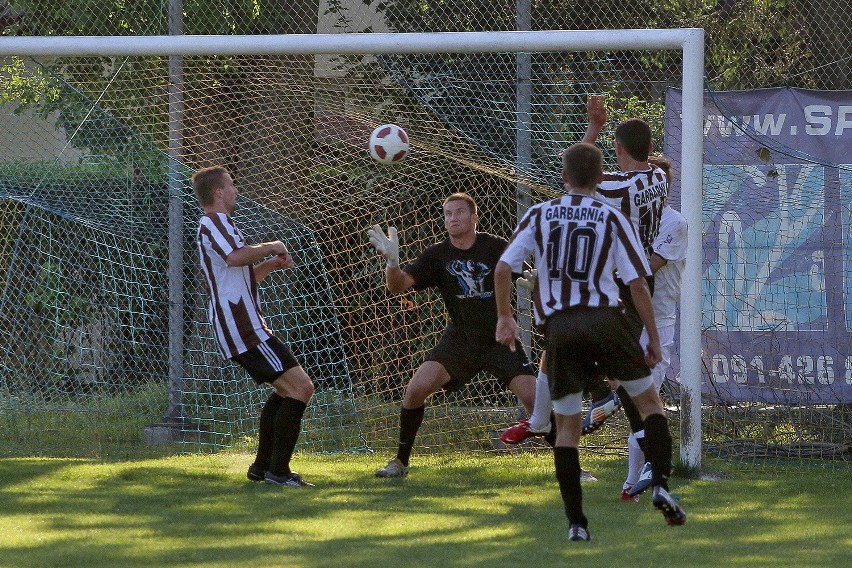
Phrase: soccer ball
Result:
[389,144]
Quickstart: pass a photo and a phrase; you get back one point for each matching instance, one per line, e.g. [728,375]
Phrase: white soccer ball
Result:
[389,144]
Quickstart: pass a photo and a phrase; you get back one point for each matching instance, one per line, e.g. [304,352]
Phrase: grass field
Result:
[453,510]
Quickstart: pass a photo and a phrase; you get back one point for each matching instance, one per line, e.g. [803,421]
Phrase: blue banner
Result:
[777,270]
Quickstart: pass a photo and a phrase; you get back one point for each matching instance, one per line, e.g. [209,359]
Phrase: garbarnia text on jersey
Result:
[650,194]
[574,214]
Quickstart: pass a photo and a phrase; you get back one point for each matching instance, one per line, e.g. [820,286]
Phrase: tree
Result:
[132,91]
[829,36]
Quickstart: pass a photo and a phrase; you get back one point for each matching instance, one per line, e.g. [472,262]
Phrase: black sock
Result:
[658,442]
[630,410]
[410,420]
[550,437]
[265,434]
[640,440]
[288,424]
[567,462]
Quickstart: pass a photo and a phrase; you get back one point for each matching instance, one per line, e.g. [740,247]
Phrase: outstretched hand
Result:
[385,245]
[596,109]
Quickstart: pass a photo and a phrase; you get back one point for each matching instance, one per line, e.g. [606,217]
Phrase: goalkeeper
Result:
[462,268]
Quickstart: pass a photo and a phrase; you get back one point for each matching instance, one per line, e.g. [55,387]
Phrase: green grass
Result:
[453,510]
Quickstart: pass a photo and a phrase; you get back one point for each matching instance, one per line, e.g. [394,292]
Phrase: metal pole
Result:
[523,151]
[358,43]
[523,155]
[174,412]
[692,198]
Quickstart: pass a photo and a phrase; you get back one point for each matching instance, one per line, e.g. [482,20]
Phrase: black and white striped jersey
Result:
[641,196]
[234,300]
[577,243]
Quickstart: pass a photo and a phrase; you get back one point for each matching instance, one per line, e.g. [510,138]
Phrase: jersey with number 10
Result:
[577,242]
[641,196]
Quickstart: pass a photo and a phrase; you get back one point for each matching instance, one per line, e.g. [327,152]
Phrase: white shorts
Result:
[667,334]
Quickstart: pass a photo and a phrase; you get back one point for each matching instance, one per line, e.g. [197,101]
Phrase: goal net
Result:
[103,331]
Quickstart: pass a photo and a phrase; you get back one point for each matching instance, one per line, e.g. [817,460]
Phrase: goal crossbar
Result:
[355,43]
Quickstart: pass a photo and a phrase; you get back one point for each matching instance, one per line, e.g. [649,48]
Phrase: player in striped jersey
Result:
[640,191]
[577,243]
[232,269]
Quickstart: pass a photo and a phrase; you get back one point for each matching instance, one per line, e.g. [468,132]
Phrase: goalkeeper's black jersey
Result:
[466,281]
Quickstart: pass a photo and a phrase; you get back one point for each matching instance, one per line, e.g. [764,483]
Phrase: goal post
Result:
[689,42]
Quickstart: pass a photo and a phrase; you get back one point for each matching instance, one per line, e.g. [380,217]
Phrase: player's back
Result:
[641,196]
[578,242]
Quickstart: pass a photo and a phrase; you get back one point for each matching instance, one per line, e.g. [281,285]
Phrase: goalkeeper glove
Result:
[387,246]
[529,279]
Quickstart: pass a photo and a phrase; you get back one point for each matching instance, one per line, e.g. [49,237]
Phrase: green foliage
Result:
[86,94]
[53,299]
[25,87]
[750,43]
[755,43]
[622,108]
[45,91]
[149,17]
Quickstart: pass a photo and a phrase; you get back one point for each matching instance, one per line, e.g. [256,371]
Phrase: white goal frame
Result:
[689,41]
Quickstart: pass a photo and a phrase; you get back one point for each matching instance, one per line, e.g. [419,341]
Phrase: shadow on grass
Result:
[451,511]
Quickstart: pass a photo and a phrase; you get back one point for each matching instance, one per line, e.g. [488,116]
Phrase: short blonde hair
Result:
[582,164]
[462,196]
[206,180]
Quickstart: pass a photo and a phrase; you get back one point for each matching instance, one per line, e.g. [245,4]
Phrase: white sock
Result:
[543,405]
[635,460]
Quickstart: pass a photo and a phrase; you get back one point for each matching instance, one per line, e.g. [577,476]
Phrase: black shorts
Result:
[583,343]
[267,361]
[463,361]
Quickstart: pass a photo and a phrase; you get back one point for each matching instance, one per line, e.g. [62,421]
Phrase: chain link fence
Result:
[750,43]
[256,115]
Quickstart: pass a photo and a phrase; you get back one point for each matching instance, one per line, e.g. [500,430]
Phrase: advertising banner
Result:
[777,243]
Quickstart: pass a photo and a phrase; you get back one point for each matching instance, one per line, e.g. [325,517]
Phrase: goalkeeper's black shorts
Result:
[463,361]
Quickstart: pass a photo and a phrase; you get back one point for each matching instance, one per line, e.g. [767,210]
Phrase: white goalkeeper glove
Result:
[387,246]
[529,280]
